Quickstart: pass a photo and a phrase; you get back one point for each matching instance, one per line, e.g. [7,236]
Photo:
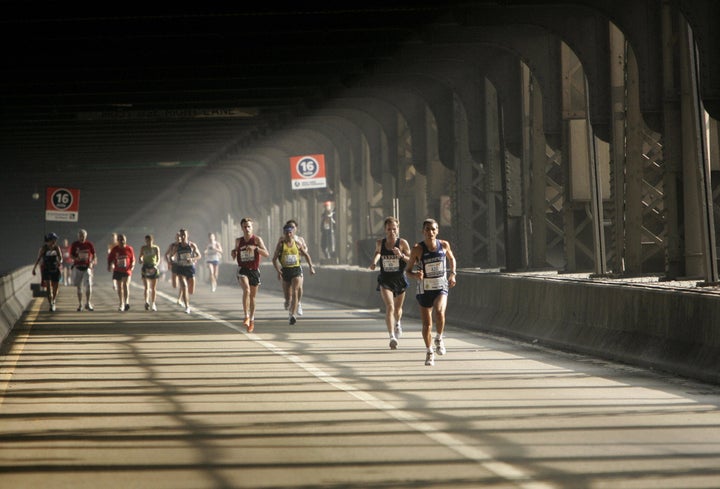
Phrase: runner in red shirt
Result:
[84,258]
[121,261]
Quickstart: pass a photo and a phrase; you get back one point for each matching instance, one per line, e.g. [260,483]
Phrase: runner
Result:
[213,255]
[248,250]
[286,261]
[392,252]
[150,256]
[285,285]
[121,261]
[433,258]
[50,255]
[186,256]
[67,263]
[172,265]
[84,261]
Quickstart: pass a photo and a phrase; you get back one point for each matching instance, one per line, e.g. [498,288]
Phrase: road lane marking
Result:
[508,472]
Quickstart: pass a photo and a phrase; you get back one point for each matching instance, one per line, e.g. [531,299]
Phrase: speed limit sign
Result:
[62,204]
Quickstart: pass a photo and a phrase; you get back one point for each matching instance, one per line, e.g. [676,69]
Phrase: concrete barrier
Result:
[669,329]
[15,295]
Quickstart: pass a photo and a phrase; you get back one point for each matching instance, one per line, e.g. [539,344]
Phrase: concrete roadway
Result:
[169,400]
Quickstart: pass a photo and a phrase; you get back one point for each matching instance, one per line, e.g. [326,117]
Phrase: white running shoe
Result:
[393,343]
[430,359]
[440,346]
[398,330]
[153,307]
[299,309]
[187,310]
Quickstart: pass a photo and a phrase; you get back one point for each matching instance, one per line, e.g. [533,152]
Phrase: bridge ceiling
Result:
[185,86]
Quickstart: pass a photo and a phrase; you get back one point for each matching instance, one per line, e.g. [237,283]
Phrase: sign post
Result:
[62,204]
[307,171]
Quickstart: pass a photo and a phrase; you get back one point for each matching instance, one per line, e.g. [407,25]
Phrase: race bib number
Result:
[291,260]
[83,255]
[437,283]
[247,255]
[391,264]
[122,261]
[185,258]
[435,268]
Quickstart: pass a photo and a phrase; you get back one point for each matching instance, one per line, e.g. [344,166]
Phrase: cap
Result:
[51,236]
[288,228]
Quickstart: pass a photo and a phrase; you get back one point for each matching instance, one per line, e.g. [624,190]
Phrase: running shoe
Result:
[430,359]
[293,320]
[147,306]
[187,310]
[153,307]
[79,308]
[127,307]
[52,307]
[121,308]
[393,343]
[440,346]
[251,326]
[299,311]
[398,330]
[89,307]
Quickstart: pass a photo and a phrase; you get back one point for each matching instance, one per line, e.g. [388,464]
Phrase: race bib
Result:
[290,260]
[247,255]
[435,268]
[83,255]
[391,264]
[437,283]
[122,261]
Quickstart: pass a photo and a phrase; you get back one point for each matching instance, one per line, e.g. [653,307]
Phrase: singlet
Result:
[245,258]
[123,258]
[434,268]
[212,253]
[184,253]
[290,256]
[51,258]
[67,257]
[83,253]
[150,255]
[389,262]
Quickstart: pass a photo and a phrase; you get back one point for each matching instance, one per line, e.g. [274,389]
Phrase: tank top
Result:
[151,255]
[290,256]
[389,262]
[434,268]
[246,258]
[212,253]
[184,254]
[51,259]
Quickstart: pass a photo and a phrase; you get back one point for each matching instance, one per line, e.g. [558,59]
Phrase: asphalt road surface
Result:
[164,399]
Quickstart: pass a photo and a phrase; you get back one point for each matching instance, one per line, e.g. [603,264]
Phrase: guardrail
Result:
[15,295]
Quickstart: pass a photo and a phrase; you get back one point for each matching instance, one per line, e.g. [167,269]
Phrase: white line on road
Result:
[507,471]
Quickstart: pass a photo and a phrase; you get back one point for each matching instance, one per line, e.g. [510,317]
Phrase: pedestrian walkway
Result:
[143,399]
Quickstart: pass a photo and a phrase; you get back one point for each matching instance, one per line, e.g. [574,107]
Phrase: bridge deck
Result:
[170,400]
